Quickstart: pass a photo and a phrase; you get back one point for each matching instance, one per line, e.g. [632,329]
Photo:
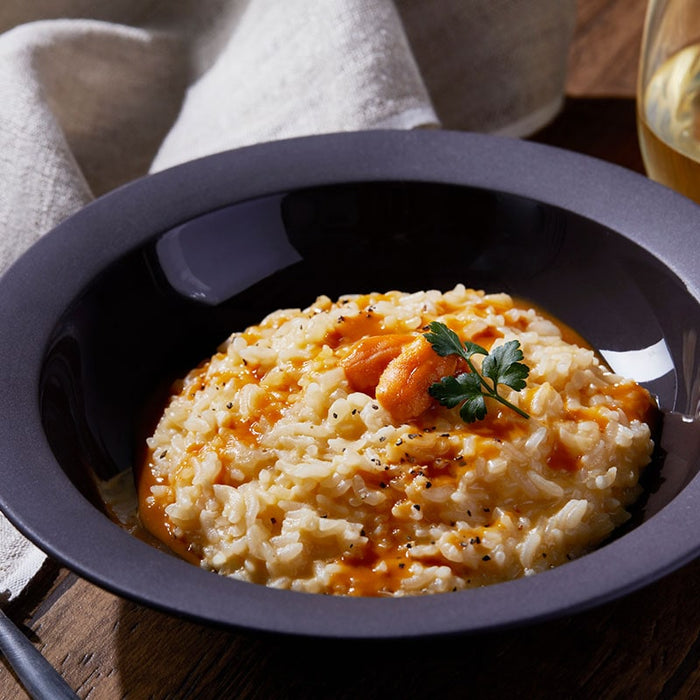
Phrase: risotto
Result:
[308,453]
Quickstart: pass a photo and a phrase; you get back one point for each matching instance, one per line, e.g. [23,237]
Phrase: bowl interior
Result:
[165,306]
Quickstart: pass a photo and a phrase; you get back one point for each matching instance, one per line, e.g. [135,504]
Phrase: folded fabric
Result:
[19,560]
[94,94]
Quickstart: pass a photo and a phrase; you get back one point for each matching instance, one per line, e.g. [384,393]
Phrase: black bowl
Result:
[144,283]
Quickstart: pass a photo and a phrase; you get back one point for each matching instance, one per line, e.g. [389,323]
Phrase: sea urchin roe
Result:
[368,359]
[307,454]
[403,386]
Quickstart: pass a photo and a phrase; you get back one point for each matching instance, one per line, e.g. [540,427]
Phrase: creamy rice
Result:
[281,462]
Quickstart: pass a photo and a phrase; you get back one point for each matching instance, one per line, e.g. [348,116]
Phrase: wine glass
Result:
[668,95]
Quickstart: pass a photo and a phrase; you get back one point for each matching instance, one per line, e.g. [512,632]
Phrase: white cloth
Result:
[94,93]
[19,563]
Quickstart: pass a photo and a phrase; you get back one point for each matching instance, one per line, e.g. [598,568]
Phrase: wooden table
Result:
[646,645]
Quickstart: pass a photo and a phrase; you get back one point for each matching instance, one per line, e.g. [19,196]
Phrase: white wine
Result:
[668,118]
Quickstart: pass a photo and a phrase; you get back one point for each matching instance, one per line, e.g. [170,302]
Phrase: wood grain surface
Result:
[646,645]
[605,49]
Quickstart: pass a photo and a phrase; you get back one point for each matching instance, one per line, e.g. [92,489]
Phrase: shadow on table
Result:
[604,128]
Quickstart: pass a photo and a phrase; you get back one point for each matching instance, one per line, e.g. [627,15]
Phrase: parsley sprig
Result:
[468,390]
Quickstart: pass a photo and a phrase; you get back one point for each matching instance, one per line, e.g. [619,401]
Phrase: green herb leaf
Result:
[446,342]
[463,390]
[468,390]
[503,366]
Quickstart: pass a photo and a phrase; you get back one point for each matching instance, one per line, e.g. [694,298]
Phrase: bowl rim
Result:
[36,289]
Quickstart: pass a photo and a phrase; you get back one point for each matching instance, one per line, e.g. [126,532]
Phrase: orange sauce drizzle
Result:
[152,515]
[360,576]
[352,328]
[561,458]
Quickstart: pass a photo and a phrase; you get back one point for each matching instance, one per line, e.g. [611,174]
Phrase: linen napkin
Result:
[19,560]
[95,93]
